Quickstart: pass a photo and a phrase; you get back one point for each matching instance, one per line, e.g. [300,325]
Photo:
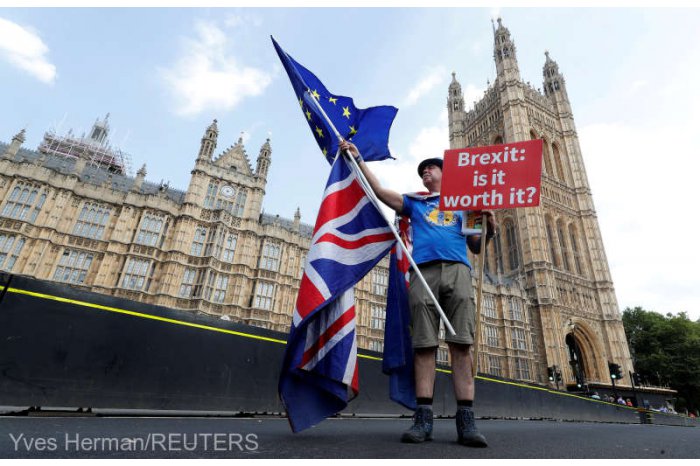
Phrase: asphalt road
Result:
[196,437]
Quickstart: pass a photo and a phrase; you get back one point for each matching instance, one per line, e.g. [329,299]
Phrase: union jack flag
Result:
[319,374]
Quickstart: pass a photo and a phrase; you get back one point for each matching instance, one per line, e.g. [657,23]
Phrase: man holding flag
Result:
[439,251]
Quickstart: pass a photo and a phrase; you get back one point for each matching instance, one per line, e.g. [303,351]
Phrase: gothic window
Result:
[216,287]
[152,227]
[518,338]
[375,345]
[264,294]
[240,203]
[211,195]
[494,365]
[92,221]
[557,162]
[200,237]
[73,267]
[516,309]
[498,252]
[187,285]
[563,248]
[137,274]
[575,250]
[550,241]
[512,244]
[24,203]
[270,257]
[378,314]
[380,281]
[490,306]
[492,337]
[522,369]
[546,158]
[10,247]
[229,247]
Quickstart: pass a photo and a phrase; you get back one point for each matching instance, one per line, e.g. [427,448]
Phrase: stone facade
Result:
[552,255]
[208,249]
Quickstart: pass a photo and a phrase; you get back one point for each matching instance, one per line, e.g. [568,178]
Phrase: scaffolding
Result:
[95,149]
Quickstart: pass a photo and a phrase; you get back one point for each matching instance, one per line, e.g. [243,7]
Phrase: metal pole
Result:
[479,292]
[373,198]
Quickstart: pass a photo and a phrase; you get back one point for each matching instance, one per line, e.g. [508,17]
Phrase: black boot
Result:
[467,433]
[422,428]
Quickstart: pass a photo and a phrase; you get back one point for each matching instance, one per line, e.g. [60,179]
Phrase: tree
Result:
[666,351]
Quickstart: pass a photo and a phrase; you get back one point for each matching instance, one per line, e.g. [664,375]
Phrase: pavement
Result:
[49,436]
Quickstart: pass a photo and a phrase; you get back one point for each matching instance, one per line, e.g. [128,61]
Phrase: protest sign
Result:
[492,177]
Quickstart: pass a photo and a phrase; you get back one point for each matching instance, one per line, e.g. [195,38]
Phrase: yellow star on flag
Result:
[314,94]
[333,100]
[325,151]
[308,115]
[301,102]
[353,131]
[320,132]
[346,112]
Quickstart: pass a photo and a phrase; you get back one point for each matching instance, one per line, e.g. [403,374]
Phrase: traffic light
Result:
[615,371]
[550,373]
[636,376]
[579,381]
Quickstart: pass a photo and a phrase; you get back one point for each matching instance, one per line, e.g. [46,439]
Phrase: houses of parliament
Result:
[70,213]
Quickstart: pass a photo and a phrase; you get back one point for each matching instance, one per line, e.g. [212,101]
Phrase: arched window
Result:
[575,249]
[498,140]
[512,246]
[550,241]
[557,161]
[562,246]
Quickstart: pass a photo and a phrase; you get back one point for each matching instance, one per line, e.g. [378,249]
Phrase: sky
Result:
[163,75]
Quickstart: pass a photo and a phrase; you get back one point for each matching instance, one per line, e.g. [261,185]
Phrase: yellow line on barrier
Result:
[142,315]
[256,337]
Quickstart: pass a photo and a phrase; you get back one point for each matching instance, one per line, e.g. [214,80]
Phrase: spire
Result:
[140,176]
[553,79]
[297,219]
[264,160]
[455,100]
[206,149]
[99,131]
[17,140]
[20,137]
[504,54]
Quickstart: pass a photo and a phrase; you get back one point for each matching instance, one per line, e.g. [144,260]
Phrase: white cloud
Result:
[400,175]
[643,185]
[425,85]
[24,49]
[208,76]
[471,95]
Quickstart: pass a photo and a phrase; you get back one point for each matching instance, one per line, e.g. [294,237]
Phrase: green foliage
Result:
[666,351]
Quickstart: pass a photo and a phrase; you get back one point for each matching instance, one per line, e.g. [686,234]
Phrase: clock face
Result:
[226,191]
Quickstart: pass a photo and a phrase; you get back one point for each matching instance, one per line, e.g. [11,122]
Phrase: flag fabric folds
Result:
[398,350]
[367,128]
[319,373]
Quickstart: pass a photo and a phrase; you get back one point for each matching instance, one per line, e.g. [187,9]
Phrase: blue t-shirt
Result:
[437,235]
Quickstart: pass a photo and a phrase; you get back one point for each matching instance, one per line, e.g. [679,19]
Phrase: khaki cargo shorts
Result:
[451,284]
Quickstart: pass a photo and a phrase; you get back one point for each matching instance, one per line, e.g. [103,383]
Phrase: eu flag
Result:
[367,128]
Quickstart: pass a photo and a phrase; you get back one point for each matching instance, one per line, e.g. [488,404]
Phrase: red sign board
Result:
[492,177]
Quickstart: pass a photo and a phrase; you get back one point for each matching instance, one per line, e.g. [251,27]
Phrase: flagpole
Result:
[375,201]
[479,295]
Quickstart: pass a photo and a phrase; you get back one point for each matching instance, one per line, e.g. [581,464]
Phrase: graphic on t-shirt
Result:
[440,218]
